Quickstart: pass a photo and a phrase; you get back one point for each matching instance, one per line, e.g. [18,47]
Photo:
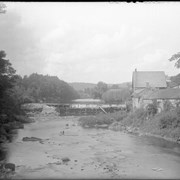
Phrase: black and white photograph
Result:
[90,90]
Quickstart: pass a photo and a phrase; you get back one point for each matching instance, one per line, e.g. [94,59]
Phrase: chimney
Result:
[135,69]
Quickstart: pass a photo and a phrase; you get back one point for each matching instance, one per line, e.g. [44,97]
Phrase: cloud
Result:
[90,41]
[16,40]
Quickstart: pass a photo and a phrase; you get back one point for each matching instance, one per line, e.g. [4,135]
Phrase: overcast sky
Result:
[91,42]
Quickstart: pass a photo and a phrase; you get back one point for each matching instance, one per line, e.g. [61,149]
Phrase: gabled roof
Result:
[150,93]
[143,93]
[152,78]
[169,93]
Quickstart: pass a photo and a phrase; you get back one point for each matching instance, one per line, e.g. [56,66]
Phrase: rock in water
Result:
[31,139]
[10,166]
[65,159]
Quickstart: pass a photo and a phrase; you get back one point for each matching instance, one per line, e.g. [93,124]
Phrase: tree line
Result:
[112,94]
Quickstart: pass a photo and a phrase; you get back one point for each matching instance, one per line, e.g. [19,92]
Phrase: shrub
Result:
[152,109]
[92,121]
[136,118]
[129,106]
[167,105]
[169,119]
[119,116]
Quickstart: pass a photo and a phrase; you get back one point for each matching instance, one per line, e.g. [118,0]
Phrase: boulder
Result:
[10,166]
[65,159]
[31,139]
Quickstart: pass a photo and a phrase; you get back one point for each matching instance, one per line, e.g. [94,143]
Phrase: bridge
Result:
[86,109]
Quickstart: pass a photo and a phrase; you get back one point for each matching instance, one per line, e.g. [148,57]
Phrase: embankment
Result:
[163,125]
[9,125]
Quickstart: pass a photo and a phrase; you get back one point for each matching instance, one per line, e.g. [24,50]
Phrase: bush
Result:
[136,118]
[167,105]
[169,119]
[152,109]
[92,121]
[119,116]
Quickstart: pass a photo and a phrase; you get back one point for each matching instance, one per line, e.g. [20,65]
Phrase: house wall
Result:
[135,102]
[146,102]
[139,103]
[174,102]
[176,87]
[143,103]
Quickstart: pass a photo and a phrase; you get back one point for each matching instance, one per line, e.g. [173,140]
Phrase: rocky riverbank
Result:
[11,123]
[9,126]
[143,131]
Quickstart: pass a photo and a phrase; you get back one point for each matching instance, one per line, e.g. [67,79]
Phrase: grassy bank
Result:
[165,124]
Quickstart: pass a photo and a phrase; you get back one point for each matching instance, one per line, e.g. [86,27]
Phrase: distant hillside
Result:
[121,85]
[81,85]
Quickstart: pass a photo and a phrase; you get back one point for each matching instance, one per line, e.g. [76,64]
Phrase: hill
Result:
[46,88]
[78,86]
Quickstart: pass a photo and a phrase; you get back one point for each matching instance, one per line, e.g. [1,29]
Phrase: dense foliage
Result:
[176,79]
[176,57]
[117,95]
[7,81]
[40,88]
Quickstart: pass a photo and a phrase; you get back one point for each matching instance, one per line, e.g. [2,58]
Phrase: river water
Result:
[93,153]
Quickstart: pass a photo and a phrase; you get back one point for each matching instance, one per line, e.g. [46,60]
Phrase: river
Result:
[93,153]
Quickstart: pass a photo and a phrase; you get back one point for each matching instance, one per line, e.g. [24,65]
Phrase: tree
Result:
[100,88]
[176,57]
[9,99]
[116,95]
[47,88]
[176,78]
[114,86]
[7,74]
